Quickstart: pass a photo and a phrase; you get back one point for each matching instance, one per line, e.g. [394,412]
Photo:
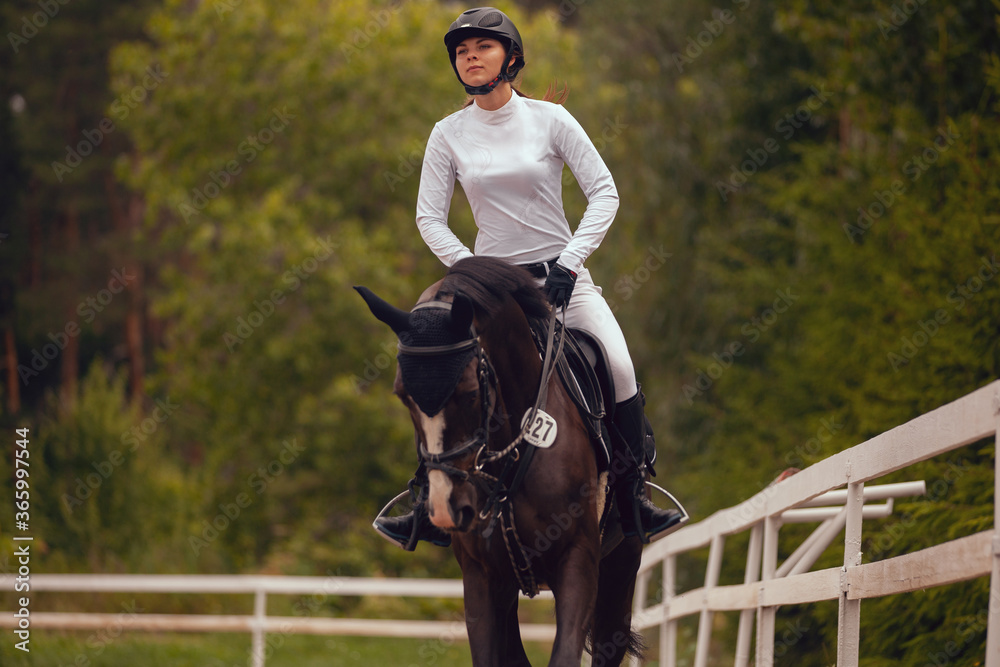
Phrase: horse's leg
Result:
[490,604]
[516,657]
[575,590]
[612,633]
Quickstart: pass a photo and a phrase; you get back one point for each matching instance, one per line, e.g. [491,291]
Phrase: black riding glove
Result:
[559,285]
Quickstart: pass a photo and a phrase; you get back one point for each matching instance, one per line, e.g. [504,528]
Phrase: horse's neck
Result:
[515,359]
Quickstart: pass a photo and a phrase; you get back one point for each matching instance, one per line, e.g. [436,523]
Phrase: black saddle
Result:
[586,375]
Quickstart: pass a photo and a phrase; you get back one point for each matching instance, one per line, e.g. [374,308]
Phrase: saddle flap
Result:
[585,374]
[597,361]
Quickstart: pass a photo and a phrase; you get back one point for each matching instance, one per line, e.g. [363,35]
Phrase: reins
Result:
[501,494]
[495,498]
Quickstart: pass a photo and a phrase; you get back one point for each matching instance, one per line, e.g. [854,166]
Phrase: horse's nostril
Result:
[464,517]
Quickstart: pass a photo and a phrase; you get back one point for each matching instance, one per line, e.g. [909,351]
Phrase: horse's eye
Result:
[469,398]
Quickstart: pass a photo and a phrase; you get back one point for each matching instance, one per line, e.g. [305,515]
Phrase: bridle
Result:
[479,443]
[487,393]
[502,487]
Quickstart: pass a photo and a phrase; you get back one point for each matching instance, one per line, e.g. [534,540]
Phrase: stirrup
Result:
[684,513]
[673,499]
[409,542]
[385,514]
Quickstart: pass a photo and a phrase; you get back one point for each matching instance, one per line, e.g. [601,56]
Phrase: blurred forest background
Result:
[805,256]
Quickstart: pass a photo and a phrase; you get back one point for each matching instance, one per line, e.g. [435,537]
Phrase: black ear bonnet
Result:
[431,379]
[430,374]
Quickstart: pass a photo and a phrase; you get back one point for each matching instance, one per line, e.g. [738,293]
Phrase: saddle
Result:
[586,375]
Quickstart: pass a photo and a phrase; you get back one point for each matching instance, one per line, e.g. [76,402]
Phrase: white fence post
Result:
[668,628]
[766,615]
[257,638]
[993,606]
[752,575]
[705,620]
[849,626]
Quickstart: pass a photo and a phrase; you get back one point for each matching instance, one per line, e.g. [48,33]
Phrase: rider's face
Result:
[479,59]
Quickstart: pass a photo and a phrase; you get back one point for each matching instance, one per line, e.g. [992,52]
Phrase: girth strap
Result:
[518,557]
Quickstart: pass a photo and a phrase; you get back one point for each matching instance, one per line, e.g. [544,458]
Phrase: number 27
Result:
[539,423]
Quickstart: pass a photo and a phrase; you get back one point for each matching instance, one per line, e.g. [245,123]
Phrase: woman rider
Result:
[508,152]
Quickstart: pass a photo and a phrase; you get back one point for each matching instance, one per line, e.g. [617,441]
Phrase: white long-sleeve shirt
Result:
[510,164]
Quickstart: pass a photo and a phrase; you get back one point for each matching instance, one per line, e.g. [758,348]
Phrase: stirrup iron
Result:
[673,499]
[385,513]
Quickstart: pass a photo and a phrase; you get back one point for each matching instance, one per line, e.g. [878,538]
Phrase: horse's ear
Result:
[462,312]
[398,320]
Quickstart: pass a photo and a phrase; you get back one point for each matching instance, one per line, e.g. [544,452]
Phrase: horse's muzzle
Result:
[453,508]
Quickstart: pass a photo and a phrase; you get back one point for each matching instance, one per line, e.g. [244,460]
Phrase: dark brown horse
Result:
[469,372]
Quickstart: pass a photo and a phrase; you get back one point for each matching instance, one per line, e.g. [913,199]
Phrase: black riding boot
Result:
[406,530]
[639,514]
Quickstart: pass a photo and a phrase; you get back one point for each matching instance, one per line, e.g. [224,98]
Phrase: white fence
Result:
[766,586]
[259,624]
[802,497]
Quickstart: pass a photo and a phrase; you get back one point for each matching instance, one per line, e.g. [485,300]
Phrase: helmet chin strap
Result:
[486,89]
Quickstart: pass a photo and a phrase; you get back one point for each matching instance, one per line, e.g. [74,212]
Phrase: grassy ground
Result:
[64,649]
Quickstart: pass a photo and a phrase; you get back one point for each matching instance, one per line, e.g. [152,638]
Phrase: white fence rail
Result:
[259,624]
[767,586]
[809,495]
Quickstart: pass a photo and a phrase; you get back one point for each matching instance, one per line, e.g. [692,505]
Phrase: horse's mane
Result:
[489,281]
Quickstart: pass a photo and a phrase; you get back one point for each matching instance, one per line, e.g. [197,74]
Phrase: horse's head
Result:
[443,378]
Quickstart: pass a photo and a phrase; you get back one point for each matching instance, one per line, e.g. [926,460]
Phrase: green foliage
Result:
[804,257]
[101,487]
[61,238]
[279,160]
[832,283]
[260,159]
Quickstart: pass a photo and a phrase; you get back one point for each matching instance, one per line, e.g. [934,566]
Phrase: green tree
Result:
[70,221]
[100,490]
[832,170]
[280,163]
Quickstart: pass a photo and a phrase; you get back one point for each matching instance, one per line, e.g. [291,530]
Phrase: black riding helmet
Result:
[488,22]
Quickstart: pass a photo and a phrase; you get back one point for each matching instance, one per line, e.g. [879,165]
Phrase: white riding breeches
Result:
[587,310]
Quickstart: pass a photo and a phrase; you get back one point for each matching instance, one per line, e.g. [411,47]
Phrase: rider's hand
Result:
[559,285]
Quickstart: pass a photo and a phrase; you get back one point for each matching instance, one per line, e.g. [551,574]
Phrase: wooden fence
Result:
[767,586]
[260,623]
[809,495]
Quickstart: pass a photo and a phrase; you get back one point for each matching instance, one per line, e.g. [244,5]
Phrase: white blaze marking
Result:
[441,486]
